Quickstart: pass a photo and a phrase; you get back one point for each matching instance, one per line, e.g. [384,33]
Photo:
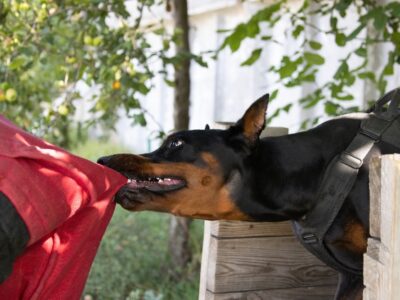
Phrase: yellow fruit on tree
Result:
[116,85]
[63,110]
[11,95]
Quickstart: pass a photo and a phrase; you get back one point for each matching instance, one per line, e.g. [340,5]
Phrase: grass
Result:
[132,262]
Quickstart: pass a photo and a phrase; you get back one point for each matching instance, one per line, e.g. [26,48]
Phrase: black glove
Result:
[14,236]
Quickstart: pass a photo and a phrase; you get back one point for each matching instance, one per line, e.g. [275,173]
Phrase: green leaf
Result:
[313,101]
[340,39]
[200,61]
[315,45]
[235,39]
[170,83]
[380,18]
[333,22]
[304,124]
[159,31]
[396,38]
[314,58]
[266,37]
[288,67]
[331,108]
[287,107]
[140,119]
[308,78]
[347,97]
[355,32]
[367,75]
[265,15]
[18,62]
[342,71]
[394,8]
[362,52]
[342,6]
[296,32]
[255,55]
[382,86]
[388,70]
[224,30]
[273,95]
[252,29]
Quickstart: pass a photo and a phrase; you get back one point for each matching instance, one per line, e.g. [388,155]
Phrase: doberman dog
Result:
[232,174]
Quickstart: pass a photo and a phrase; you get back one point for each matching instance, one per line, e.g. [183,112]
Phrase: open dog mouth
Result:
[156,184]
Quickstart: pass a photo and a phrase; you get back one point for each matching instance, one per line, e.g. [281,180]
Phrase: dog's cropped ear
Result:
[253,120]
[207,127]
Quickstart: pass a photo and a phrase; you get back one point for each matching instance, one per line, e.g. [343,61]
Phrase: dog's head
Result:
[195,173]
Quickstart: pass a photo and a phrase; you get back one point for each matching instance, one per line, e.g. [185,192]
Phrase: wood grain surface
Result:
[264,263]
[307,293]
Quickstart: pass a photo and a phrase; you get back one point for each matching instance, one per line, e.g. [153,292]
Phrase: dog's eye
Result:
[175,143]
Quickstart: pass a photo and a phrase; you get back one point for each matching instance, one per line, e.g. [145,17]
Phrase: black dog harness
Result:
[380,125]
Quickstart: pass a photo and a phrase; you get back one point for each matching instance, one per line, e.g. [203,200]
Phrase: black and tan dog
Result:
[233,175]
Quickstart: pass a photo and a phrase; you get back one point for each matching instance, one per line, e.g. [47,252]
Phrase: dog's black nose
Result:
[103,160]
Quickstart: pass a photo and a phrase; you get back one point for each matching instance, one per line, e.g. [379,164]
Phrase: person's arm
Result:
[14,236]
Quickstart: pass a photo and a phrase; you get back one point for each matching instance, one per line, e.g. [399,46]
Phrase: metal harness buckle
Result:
[309,238]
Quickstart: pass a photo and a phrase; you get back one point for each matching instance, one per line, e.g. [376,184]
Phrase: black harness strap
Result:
[339,179]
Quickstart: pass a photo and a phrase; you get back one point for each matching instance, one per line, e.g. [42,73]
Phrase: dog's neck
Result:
[286,171]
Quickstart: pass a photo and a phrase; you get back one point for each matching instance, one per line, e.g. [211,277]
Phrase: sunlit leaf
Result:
[255,55]
[331,108]
[340,39]
[362,52]
[315,45]
[314,58]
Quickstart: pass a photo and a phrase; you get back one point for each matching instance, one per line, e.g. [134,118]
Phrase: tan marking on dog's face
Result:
[206,180]
[204,197]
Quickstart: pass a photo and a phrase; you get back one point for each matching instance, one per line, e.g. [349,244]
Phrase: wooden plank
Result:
[391,190]
[204,260]
[371,277]
[396,230]
[264,263]
[309,293]
[375,197]
[228,229]
[387,202]
[382,262]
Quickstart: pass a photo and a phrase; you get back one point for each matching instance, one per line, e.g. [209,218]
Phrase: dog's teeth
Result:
[129,180]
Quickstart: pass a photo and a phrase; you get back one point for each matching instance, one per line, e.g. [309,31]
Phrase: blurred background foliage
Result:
[377,24]
[49,47]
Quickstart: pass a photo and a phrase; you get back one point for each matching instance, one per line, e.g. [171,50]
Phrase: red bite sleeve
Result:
[66,204]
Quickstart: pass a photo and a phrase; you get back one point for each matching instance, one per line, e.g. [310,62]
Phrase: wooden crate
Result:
[246,260]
